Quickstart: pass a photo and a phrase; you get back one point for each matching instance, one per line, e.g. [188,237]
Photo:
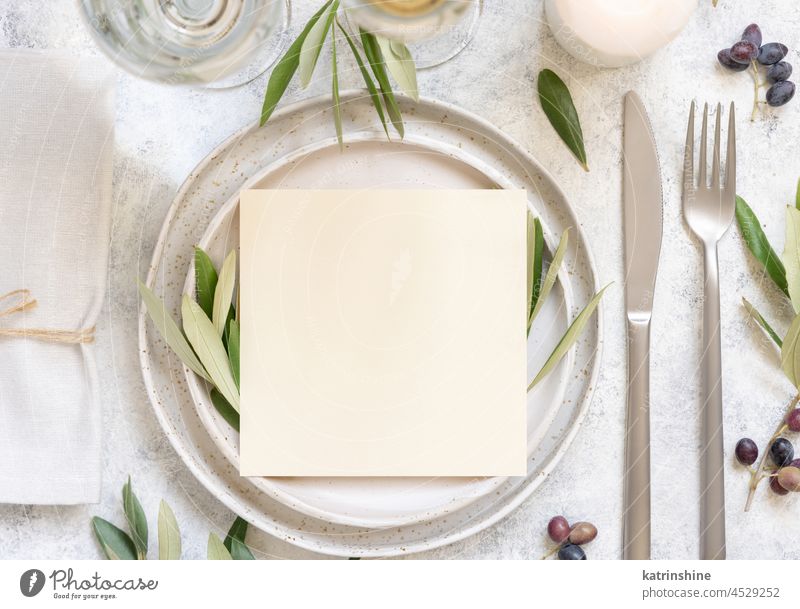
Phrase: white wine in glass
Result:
[438,30]
[217,43]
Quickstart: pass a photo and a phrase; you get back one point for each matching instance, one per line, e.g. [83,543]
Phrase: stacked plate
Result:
[444,147]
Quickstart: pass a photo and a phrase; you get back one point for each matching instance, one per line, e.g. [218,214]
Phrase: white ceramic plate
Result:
[370,161]
[219,178]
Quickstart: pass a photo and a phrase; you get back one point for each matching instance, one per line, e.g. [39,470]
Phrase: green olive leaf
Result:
[169,535]
[207,343]
[115,543]
[400,64]
[205,280]
[560,111]
[137,521]
[286,67]
[238,531]
[552,274]
[535,263]
[337,109]
[240,551]
[791,256]
[233,349]
[170,332]
[368,82]
[312,45]
[758,244]
[762,322]
[216,549]
[375,58]
[224,408]
[797,195]
[569,338]
[235,541]
[223,294]
[531,260]
[790,353]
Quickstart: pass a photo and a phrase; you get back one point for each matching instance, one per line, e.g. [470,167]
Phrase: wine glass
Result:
[216,43]
[435,30]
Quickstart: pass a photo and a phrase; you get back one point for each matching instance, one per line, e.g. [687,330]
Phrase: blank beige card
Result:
[383,332]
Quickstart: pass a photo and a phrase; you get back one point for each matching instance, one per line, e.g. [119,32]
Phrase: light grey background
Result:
[162,132]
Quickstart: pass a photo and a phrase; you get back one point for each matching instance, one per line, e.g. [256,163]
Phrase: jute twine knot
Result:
[21,300]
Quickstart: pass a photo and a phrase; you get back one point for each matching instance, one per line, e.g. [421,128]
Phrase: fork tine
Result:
[702,180]
[715,158]
[730,158]
[688,156]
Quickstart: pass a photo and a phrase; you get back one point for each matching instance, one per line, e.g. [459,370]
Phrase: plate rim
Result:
[234,503]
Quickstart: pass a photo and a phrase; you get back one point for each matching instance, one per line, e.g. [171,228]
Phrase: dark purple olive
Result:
[752,33]
[793,418]
[780,93]
[778,72]
[724,57]
[744,51]
[776,488]
[558,529]
[772,52]
[795,463]
[572,552]
[746,451]
[782,452]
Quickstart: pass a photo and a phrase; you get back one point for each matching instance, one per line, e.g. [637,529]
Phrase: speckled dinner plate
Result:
[370,161]
[444,147]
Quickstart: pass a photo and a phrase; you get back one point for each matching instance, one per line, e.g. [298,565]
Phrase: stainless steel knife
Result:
[642,202]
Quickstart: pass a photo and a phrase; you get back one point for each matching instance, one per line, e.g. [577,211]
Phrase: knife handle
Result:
[712,525]
[636,521]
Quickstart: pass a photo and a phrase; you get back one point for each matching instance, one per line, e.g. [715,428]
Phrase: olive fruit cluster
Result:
[785,474]
[749,52]
[570,538]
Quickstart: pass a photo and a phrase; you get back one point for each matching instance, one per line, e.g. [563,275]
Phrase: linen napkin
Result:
[56,143]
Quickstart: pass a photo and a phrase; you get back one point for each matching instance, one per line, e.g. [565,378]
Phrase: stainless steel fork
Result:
[708,210]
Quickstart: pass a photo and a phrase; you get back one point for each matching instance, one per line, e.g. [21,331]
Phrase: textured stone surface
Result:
[163,132]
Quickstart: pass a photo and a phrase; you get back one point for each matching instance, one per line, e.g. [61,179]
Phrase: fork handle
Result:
[636,521]
[712,525]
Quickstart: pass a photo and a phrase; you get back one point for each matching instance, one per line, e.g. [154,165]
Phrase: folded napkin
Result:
[56,142]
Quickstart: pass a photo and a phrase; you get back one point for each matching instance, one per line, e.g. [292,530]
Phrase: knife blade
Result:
[642,217]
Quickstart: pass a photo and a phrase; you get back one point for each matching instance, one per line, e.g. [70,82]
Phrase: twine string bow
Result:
[21,300]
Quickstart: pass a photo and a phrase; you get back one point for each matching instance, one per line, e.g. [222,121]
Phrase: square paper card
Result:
[383,333]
